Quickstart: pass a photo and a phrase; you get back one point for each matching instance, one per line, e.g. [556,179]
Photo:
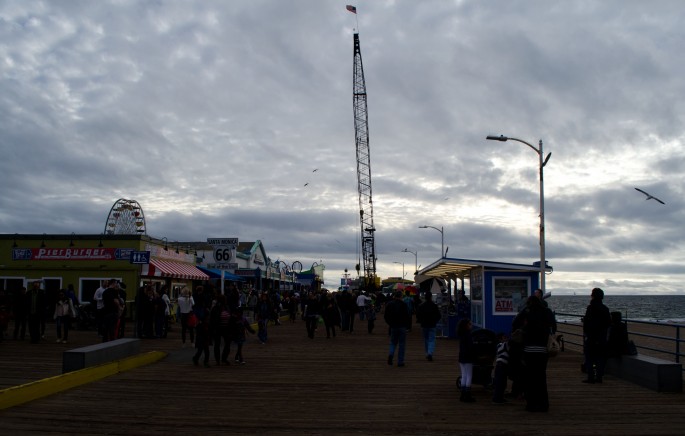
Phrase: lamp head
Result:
[497,138]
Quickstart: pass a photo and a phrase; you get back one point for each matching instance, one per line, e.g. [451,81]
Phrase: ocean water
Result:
[661,308]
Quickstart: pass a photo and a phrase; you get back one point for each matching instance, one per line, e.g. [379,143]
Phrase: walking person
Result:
[466,359]
[596,324]
[64,311]
[311,314]
[35,311]
[370,310]
[239,325]
[409,301]
[293,302]
[428,315]
[5,312]
[20,306]
[202,337]
[185,307]
[398,319]
[121,288]
[537,321]
[263,312]
[164,294]
[111,311]
[220,325]
[99,305]
[331,316]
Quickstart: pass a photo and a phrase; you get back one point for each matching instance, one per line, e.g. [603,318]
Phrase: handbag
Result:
[192,320]
[552,346]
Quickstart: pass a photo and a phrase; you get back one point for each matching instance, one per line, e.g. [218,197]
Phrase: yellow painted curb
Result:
[21,394]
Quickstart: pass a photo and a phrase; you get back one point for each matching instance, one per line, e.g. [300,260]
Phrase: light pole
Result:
[285,268]
[543,162]
[416,259]
[402,263]
[442,238]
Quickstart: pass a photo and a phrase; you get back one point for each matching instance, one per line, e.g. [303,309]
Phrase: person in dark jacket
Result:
[35,311]
[537,321]
[428,315]
[202,334]
[331,315]
[311,314]
[595,326]
[617,338]
[398,319]
[21,309]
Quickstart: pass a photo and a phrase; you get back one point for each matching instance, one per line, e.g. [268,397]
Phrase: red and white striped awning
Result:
[176,270]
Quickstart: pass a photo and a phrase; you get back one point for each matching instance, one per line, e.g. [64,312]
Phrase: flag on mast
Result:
[351,9]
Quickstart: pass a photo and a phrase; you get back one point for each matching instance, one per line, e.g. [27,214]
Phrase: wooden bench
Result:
[79,358]
[651,372]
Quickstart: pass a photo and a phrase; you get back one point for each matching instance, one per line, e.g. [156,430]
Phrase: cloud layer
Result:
[213,116]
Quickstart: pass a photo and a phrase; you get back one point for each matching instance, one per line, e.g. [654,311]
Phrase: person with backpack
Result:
[398,319]
[428,315]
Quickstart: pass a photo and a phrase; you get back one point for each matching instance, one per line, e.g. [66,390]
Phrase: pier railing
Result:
[658,345]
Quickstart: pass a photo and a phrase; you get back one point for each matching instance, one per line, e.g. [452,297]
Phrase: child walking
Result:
[466,358]
[240,325]
[501,367]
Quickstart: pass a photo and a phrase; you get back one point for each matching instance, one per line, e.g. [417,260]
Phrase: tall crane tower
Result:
[361,134]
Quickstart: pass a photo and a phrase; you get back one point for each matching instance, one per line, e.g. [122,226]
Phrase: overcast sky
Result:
[213,115]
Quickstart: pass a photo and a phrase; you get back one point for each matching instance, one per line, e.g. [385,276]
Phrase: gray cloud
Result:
[213,117]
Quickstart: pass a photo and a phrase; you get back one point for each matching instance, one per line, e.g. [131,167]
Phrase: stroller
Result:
[85,316]
[485,345]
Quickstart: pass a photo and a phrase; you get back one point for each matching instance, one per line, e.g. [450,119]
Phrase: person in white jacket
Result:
[185,309]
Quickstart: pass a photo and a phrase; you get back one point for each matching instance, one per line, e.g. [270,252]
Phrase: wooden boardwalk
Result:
[294,385]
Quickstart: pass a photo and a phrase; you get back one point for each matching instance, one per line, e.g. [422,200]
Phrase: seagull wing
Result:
[658,200]
[640,190]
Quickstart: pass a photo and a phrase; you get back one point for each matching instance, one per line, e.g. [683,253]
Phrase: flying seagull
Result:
[649,196]
[306,184]
[315,170]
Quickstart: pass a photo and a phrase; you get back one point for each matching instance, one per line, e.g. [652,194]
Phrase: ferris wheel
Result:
[126,217]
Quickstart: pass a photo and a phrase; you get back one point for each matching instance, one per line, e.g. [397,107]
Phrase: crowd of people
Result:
[31,308]
[216,322]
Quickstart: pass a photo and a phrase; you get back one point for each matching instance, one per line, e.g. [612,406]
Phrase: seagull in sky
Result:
[315,170]
[306,184]
[649,196]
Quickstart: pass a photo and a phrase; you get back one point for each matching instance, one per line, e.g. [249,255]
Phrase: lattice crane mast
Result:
[361,133]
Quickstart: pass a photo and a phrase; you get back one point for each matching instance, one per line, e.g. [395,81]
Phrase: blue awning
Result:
[216,274]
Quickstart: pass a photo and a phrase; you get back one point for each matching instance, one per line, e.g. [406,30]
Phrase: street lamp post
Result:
[402,263]
[285,268]
[543,162]
[442,237]
[416,259]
